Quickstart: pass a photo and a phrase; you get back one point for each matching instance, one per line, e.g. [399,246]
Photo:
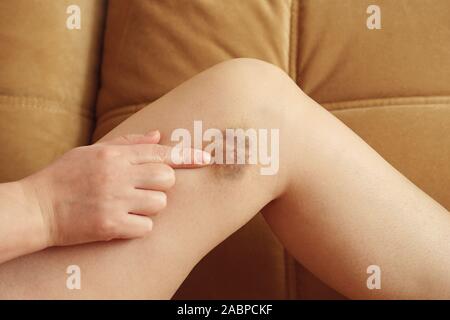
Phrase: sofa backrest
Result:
[384,73]
[48,81]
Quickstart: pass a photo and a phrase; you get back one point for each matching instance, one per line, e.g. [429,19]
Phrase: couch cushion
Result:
[153,46]
[324,45]
[354,72]
[48,81]
[340,59]
[412,134]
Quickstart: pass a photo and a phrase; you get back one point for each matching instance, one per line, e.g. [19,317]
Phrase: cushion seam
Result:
[293,43]
[118,112]
[41,104]
[386,102]
[289,264]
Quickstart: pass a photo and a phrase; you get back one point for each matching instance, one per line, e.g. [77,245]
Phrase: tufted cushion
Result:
[339,59]
[389,85]
[151,47]
[48,77]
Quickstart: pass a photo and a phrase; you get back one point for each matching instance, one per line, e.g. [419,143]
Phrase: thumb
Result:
[151,137]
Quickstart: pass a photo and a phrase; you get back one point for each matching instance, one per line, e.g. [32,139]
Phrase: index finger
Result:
[175,157]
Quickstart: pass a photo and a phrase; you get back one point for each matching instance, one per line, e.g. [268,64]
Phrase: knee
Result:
[252,76]
[250,95]
[250,86]
[250,71]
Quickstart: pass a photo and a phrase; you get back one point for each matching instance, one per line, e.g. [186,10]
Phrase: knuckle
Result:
[106,153]
[167,175]
[161,152]
[106,227]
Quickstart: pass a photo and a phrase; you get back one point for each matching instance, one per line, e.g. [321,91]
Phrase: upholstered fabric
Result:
[391,86]
[152,46]
[48,81]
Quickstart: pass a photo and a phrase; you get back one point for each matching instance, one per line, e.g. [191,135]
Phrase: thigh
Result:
[204,207]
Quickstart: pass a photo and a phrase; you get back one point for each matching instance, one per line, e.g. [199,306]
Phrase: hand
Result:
[105,191]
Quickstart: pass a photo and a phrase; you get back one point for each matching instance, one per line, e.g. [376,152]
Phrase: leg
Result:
[204,207]
[329,207]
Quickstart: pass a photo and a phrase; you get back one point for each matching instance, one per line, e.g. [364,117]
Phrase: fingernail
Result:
[152,134]
[202,157]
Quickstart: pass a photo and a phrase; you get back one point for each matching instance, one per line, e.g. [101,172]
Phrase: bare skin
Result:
[335,204]
[94,193]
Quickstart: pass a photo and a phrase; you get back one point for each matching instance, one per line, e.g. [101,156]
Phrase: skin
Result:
[335,204]
[110,193]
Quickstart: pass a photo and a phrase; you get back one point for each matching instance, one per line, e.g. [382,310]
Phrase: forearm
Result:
[84,196]
[22,228]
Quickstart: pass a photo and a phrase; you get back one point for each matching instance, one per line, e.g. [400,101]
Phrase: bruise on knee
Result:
[233,156]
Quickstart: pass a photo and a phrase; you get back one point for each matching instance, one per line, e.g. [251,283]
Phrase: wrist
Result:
[39,211]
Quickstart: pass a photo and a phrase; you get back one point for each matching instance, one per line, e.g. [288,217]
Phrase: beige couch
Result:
[61,88]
